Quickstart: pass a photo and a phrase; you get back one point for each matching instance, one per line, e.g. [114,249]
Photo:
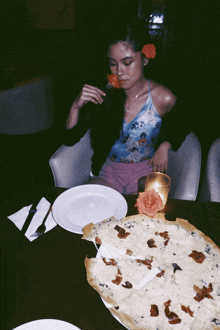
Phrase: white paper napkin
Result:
[19,218]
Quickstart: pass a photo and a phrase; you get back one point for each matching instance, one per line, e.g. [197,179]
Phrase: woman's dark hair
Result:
[135,32]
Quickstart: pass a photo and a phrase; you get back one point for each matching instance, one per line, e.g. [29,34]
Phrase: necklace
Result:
[136,96]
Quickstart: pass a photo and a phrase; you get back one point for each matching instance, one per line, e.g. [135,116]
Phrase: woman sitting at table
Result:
[126,121]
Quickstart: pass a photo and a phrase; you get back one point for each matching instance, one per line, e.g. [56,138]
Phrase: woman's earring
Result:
[146,60]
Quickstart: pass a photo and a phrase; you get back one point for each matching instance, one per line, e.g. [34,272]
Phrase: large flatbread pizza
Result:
[156,274]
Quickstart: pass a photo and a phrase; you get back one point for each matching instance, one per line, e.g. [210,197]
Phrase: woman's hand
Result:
[88,94]
[160,158]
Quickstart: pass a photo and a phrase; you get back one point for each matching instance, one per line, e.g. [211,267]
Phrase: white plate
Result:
[80,205]
[47,324]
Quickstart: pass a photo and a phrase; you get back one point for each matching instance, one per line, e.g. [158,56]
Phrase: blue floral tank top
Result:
[137,139]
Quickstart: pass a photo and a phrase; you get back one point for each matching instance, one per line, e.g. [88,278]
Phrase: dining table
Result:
[50,272]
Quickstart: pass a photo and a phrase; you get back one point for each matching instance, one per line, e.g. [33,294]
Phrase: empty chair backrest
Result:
[184,169]
[71,166]
[27,108]
[210,188]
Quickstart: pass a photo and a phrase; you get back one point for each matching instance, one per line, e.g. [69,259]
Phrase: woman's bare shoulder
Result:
[162,97]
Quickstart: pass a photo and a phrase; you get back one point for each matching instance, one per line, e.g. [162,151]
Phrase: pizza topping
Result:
[172,317]
[215,321]
[167,303]
[117,307]
[98,240]
[165,235]
[103,285]
[117,280]
[208,248]
[127,285]
[151,243]
[199,257]
[111,262]
[129,224]
[129,252]
[166,242]
[203,293]
[146,262]
[119,272]
[154,311]
[161,273]
[176,267]
[187,310]
[121,232]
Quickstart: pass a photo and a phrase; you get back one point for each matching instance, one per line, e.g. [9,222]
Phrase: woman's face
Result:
[126,64]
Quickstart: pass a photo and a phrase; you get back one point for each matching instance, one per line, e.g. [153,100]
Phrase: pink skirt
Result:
[124,176]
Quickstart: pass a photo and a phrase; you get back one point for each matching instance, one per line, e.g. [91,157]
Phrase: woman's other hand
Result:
[88,94]
[160,158]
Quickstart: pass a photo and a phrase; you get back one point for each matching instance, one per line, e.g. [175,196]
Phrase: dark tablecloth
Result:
[50,270]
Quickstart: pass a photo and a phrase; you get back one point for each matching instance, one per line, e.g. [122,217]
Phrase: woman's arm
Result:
[163,100]
[160,158]
[88,94]
[174,126]
[79,119]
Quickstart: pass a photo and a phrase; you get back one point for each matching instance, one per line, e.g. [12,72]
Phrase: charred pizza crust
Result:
[162,274]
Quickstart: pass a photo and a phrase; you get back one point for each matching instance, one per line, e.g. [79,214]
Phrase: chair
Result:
[210,188]
[71,166]
[27,108]
[184,167]
[26,122]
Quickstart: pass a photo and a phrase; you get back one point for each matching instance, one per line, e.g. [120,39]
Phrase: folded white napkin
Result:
[19,218]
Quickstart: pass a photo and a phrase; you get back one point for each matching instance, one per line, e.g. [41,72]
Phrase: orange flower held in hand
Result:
[149,203]
[113,80]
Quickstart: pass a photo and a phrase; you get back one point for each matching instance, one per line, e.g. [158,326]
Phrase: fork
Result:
[41,229]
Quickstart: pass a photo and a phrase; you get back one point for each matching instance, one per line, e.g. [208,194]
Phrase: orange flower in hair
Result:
[113,80]
[149,50]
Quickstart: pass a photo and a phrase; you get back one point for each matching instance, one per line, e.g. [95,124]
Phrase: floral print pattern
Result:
[137,139]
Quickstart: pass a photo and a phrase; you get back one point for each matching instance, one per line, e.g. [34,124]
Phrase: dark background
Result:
[186,62]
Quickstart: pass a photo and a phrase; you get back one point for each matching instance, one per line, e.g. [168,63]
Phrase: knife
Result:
[27,222]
